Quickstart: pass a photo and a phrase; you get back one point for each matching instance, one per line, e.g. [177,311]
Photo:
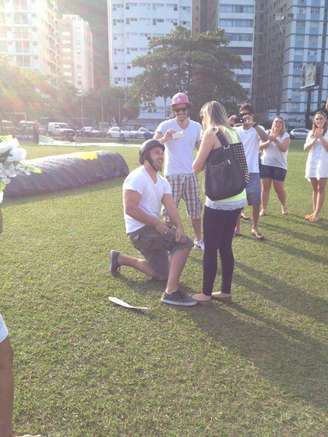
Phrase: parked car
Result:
[299,133]
[117,132]
[61,130]
[89,131]
[142,133]
[7,127]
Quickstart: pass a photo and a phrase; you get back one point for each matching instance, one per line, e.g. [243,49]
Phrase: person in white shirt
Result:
[274,164]
[165,249]
[181,136]
[316,170]
[250,135]
[6,383]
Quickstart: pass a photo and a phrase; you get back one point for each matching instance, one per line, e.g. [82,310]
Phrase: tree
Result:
[200,66]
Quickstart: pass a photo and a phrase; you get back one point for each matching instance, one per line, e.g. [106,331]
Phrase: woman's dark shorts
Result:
[156,247]
[275,173]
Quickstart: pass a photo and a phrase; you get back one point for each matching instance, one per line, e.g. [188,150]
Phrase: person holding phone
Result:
[250,135]
[181,136]
[274,164]
[316,170]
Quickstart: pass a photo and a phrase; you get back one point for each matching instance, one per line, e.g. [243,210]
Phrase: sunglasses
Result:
[177,110]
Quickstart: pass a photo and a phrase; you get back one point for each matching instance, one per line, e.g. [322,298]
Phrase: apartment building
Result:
[131,25]
[29,34]
[237,18]
[76,52]
[204,16]
[289,34]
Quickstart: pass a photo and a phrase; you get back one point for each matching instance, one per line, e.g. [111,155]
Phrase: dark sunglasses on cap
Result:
[184,109]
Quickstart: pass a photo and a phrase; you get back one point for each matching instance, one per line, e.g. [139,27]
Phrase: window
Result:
[236,23]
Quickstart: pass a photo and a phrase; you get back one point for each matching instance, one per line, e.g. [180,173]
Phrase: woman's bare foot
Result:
[257,234]
[262,212]
[222,297]
[201,297]
[284,210]
[308,216]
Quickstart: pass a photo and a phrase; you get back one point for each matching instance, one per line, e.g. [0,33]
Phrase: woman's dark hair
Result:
[246,107]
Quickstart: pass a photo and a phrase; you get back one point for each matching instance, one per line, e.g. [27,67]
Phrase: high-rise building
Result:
[237,18]
[29,34]
[290,34]
[204,16]
[76,52]
[131,25]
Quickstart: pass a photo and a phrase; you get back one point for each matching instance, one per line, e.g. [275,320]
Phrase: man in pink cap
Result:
[181,136]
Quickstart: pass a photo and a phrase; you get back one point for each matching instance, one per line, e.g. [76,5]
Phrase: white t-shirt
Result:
[3,330]
[151,195]
[251,143]
[273,156]
[179,153]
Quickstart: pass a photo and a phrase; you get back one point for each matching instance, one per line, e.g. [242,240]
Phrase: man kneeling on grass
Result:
[165,249]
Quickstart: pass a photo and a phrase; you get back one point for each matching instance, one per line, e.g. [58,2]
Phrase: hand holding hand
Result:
[162,228]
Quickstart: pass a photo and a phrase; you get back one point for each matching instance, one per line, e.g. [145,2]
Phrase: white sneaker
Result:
[199,244]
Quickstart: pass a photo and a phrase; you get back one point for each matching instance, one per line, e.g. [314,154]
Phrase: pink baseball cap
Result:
[180,99]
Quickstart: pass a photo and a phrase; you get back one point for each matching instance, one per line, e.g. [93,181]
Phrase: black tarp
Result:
[62,172]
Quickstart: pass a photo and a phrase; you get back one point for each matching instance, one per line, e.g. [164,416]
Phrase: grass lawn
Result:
[85,368]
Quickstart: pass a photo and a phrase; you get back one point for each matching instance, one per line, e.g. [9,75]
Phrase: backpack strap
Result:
[223,139]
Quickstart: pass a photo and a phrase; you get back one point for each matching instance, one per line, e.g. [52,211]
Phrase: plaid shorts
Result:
[185,186]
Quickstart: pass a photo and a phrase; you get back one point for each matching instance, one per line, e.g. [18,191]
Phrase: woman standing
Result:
[274,164]
[220,216]
[316,169]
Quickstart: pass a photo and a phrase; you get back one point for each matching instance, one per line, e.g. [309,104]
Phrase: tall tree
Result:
[201,66]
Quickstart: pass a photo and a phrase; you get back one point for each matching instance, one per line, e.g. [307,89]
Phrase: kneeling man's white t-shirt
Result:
[151,193]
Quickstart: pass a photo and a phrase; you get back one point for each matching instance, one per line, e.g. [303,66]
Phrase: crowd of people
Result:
[151,201]
[159,235]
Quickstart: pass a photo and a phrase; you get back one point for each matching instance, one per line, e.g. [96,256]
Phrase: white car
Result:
[299,133]
[61,130]
[117,132]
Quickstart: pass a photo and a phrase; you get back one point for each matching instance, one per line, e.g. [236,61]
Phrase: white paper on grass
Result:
[123,304]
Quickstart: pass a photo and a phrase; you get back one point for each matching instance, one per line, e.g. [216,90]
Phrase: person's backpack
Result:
[226,172]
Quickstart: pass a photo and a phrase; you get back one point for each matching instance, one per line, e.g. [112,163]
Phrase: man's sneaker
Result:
[113,262]
[179,298]
[199,244]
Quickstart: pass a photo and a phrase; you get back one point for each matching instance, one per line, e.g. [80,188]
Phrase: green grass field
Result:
[85,368]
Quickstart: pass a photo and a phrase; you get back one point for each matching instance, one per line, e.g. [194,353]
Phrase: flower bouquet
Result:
[12,158]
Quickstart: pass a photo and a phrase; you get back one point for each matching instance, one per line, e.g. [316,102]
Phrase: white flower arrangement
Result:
[12,158]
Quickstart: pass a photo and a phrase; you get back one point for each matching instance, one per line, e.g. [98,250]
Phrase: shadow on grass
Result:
[288,359]
[282,293]
[313,239]
[297,252]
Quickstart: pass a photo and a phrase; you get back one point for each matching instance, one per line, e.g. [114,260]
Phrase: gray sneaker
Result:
[114,265]
[178,298]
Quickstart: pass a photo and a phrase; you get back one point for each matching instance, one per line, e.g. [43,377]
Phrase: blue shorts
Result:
[253,189]
[271,172]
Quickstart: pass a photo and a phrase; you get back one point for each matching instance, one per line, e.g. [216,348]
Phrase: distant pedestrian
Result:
[317,163]
[181,136]
[274,164]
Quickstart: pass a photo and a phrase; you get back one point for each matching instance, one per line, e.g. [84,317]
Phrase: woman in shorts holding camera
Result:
[316,171]
[273,167]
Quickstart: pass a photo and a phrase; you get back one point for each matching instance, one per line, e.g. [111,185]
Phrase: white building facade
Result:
[237,18]
[76,53]
[131,25]
[29,34]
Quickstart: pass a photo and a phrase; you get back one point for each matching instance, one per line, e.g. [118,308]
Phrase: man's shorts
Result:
[253,189]
[186,187]
[156,247]
[271,172]
[3,330]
